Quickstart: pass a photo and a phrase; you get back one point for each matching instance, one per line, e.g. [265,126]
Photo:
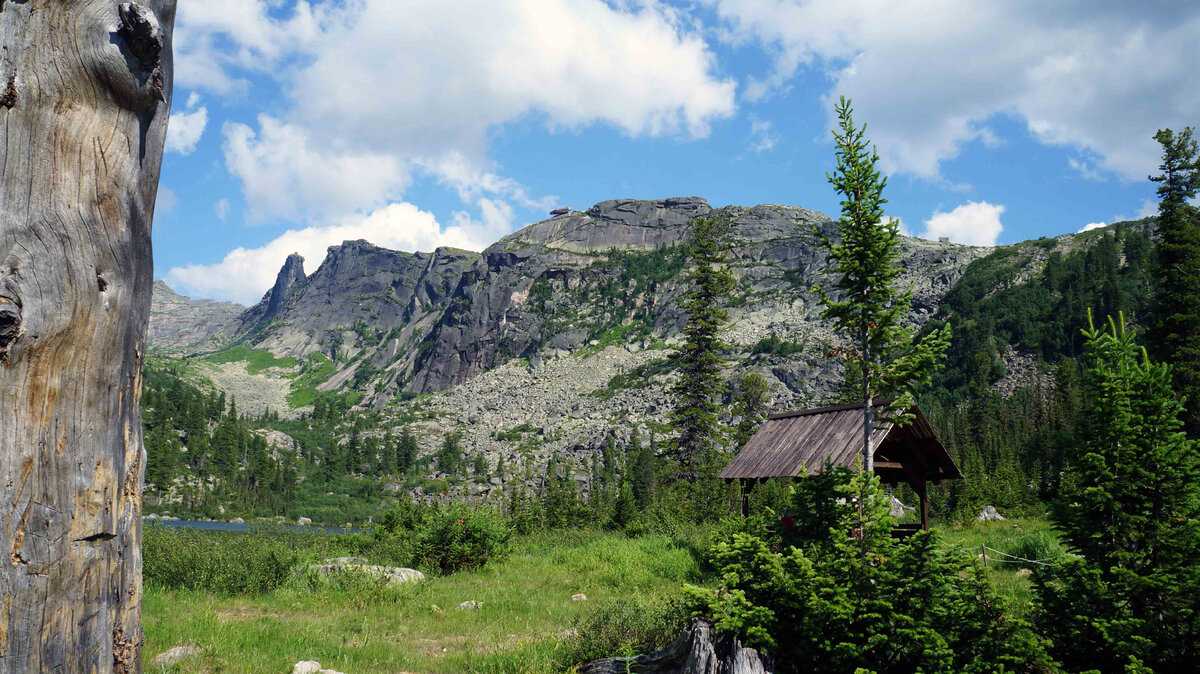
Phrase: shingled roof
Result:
[792,442]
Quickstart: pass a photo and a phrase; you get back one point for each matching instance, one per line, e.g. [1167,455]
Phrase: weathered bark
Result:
[85,88]
[694,652]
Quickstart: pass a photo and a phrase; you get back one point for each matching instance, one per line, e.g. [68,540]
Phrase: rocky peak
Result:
[290,276]
[618,223]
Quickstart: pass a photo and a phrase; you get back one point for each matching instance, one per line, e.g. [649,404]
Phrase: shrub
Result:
[221,562]
[625,626]
[461,538]
[1038,546]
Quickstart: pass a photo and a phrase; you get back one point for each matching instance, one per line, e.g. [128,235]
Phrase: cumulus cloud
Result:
[379,89]
[185,128]
[1092,225]
[975,223]
[929,75]
[244,274]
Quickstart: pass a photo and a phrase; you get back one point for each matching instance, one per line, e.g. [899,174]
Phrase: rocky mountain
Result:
[180,325]
[392,322]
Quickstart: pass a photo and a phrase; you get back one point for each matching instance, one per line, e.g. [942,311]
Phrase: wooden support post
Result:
[745,496]
[923,492]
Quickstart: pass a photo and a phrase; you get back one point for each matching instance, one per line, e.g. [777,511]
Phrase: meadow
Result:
[253,613]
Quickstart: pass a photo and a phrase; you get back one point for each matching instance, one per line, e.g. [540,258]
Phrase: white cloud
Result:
[1086,170]
[929,75]
[165,202]
[762,138]
[221,208]
[184,129]
[244,274]
[1092,225]
[975,223]
[1149,208]
[394,87]
[284,175]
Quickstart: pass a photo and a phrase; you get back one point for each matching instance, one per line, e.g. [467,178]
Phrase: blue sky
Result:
[296,125]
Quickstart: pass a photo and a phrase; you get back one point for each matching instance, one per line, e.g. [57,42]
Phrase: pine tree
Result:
[700,355]
[1134,518]
[864,304]
[1176,331]
[449,456]
[480,468]
[406,450]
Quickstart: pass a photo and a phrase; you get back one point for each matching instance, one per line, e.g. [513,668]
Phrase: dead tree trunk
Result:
[85,89]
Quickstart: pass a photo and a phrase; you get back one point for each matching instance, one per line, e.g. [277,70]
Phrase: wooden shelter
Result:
[791,443]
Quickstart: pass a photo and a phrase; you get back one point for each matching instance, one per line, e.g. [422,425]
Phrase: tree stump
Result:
[85,89]
[694,652]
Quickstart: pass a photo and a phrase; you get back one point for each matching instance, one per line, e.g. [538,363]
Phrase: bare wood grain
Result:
[84,101]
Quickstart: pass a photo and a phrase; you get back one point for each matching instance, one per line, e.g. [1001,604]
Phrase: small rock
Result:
[436,609]
[176,654]
[1024,573]
[579,597]
[989,514]
[237,520]
[304,521]
[311,667]
[469,606]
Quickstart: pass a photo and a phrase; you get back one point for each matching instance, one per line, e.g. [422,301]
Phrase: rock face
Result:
[181,325]
[694,652]
[396,322]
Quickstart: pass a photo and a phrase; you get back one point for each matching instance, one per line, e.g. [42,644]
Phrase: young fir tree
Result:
[700,355]
[1176,331]
[864,304]
[1133,516]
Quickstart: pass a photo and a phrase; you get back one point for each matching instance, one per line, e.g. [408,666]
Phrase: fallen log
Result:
[694,652]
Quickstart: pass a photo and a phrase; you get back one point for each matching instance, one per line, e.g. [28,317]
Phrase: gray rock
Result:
[469,606]
[392,575]
[237,520]
[176,654]
[579,597]
[989,514]
[303,521]
[311,667]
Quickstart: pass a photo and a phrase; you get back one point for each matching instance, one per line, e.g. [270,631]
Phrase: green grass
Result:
[526,608]
[1014,536]
[317,368]
[256,360]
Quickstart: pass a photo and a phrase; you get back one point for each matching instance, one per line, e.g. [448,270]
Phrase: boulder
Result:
[392,575]
[303,521]
[579,597]
[170,657]
[989,514]
[898,508]
[696,651]
[311,667]
[237,520]
[469,606]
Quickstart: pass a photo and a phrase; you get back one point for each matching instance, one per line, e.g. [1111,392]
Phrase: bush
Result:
[461,538]
[623,627]
[1038,546]
[221,562]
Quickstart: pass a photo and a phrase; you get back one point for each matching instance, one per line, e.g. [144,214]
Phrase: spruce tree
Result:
[863,303]
[1133,515]
[750,405]
[1176,331]
[700,355]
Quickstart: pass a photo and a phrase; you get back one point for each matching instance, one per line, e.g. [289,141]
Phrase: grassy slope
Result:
[526,606]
